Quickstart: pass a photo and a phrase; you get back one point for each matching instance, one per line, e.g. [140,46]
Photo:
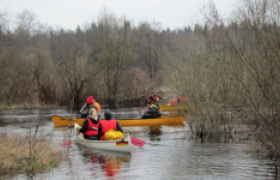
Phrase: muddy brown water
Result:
[169,152]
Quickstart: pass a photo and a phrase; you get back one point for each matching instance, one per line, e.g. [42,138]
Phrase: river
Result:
[169,152]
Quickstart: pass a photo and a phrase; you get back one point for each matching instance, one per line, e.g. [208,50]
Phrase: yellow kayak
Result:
[62,121]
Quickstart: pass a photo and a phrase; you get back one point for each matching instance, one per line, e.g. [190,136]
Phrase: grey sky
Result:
[70,13]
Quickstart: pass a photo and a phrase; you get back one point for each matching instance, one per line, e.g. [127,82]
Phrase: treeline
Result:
[109,59]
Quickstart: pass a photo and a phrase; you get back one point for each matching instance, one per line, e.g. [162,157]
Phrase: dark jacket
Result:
[153,108]
[153,111]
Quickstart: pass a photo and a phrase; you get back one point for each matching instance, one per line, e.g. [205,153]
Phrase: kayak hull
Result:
[119,145]
[62,121]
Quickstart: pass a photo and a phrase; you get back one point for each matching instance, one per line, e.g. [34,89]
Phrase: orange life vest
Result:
[92,129]
[156,97]
[106,125]
[97,106]
[173,102]
[183,99]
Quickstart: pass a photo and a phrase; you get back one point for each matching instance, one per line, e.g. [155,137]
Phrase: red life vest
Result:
[173,102]
[156,97]
[90,131]
[183,99]
[107,125]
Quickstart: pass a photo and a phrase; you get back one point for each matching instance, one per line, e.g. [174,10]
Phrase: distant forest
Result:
[117,62]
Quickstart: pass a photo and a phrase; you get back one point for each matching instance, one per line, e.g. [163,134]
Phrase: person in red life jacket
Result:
[153,109]
[156,98]
[90,125]
[183,99]
[173,102]
[107,124]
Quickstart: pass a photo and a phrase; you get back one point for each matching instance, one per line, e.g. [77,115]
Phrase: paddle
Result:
[137,142]
[140,112]
[68,143]
[83,107]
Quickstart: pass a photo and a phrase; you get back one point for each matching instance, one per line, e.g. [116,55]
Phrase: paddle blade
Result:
[137,142]
[67,143]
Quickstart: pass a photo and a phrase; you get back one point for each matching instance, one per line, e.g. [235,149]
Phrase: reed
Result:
[24,155]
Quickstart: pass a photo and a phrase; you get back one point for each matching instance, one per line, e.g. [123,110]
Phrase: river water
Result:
[169,152]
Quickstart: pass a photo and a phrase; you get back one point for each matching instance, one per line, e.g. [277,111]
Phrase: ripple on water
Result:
[168,154]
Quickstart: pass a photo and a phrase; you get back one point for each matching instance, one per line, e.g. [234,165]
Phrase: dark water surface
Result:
[170,152]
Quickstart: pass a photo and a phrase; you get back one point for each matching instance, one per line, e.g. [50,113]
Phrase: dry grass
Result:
[28,106]
[22,155]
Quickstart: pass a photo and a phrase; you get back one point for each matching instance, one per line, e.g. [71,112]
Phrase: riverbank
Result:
[24,105]
[25,155]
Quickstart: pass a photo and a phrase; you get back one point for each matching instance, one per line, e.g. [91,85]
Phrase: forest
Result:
[231,68]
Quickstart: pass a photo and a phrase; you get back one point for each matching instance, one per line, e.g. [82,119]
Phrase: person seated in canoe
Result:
[183,99]
[91,103]
[90,125]
[156,98]
[107,124]
[153,109]
[173,102]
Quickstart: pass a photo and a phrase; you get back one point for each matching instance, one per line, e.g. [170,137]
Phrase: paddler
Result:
[153,109]
[90,125]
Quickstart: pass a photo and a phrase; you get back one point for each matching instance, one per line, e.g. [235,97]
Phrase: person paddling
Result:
[153,109]
[92,104]
[107,124]
[90,125]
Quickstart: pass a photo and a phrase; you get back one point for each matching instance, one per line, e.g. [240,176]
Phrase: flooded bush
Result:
[23,155]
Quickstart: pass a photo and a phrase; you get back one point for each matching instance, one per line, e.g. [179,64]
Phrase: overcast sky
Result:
[68,14]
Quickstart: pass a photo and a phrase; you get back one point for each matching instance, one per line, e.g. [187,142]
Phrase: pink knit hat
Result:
[90,100]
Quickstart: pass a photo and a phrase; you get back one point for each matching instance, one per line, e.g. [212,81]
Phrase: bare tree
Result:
[116,54]
[74,70]
[256,69]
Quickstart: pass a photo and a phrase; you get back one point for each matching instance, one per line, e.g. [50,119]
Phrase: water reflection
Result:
[155,132]
[168,154]
[111,163]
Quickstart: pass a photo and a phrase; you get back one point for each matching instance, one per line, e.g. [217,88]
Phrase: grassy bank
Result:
[28,106]
[22,155]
